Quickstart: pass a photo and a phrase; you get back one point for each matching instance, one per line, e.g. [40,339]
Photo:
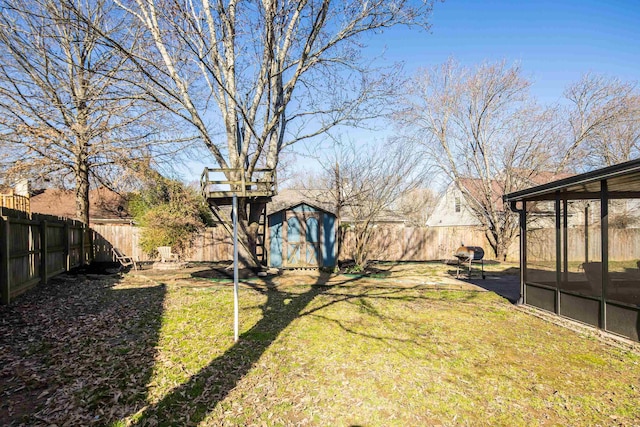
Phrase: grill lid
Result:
[466,253]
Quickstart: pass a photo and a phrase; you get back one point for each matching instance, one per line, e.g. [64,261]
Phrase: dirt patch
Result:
[20,402]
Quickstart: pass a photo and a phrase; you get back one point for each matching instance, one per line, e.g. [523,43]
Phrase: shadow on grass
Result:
[506,286]
[191,402]
[77,351]
[505,283]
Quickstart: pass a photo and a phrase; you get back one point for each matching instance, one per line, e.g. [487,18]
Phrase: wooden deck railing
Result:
[14,201]
[263,183]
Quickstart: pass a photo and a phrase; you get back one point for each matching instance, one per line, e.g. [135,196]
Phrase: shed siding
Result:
[275,239]
[302,236]
[304,208]
[329,241]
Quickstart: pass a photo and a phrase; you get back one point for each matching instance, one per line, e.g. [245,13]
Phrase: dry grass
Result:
[314,350]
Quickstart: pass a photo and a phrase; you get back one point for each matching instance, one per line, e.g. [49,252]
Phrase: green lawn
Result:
[133,351]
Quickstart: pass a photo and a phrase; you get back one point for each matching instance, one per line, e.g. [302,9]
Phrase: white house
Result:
[452,210]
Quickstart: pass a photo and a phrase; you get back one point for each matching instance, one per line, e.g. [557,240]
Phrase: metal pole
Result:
[235,268]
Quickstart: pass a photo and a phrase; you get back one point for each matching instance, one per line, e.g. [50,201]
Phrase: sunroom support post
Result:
[565,240]
[558,253]
[604,238]
[523,253]
[523,248]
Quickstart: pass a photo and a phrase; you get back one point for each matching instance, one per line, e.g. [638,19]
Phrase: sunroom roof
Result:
[623,181]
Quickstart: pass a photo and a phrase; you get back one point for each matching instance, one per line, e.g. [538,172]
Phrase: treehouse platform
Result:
[260,189]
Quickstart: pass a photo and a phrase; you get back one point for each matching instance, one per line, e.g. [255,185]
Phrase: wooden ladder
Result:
[261,241]
[227,223]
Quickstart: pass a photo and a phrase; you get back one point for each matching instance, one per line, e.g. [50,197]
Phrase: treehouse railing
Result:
[263,183]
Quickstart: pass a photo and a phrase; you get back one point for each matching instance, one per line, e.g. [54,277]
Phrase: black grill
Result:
[466,253]
[469,254]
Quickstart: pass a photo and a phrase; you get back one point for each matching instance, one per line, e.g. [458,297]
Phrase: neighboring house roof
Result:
[474,187]
[530,178]
[103,204]
[474,192]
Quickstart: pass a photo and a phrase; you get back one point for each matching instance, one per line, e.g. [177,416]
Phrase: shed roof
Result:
[623,180]
[290,197]
[294,205]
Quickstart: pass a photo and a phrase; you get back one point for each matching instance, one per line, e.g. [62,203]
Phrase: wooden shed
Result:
[302,236]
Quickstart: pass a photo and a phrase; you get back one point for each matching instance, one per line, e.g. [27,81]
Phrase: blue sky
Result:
[555,42]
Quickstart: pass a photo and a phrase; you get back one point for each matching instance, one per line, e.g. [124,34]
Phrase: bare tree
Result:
[255,77]
[65,113]
[416,205]
[483,132]
[603,122]
[366,184]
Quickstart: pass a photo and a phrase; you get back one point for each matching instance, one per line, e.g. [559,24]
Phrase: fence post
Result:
[92,251]
[5,259]
[67,246]
[83,239]
[44,253]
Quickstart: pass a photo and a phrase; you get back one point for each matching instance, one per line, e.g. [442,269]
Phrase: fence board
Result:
[400,243]
[213,244]
[34,248]
[388,243]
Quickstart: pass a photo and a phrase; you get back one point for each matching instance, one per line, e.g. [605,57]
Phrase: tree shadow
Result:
[361,300]
[192,401]
[77,351]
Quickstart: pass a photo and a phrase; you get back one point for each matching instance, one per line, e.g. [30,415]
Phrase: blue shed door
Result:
[295,242]
[329,242]
[302,239]
[313,242]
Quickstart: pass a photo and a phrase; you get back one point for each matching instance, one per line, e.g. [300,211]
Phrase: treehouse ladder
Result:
[227,223]
[261,240]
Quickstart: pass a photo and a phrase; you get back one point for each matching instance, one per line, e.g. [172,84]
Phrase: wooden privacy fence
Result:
[213,244]
[624,244]
[34,248]
[400,243]
[389,243]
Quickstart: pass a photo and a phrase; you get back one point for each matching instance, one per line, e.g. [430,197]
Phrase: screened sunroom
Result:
[580,247]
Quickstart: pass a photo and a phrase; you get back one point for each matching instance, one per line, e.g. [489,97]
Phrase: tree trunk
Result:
[248,226]
[493,240]
[362,234]
[82,193]
[82,200]
[339,203]
[499,244]
[501,251]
